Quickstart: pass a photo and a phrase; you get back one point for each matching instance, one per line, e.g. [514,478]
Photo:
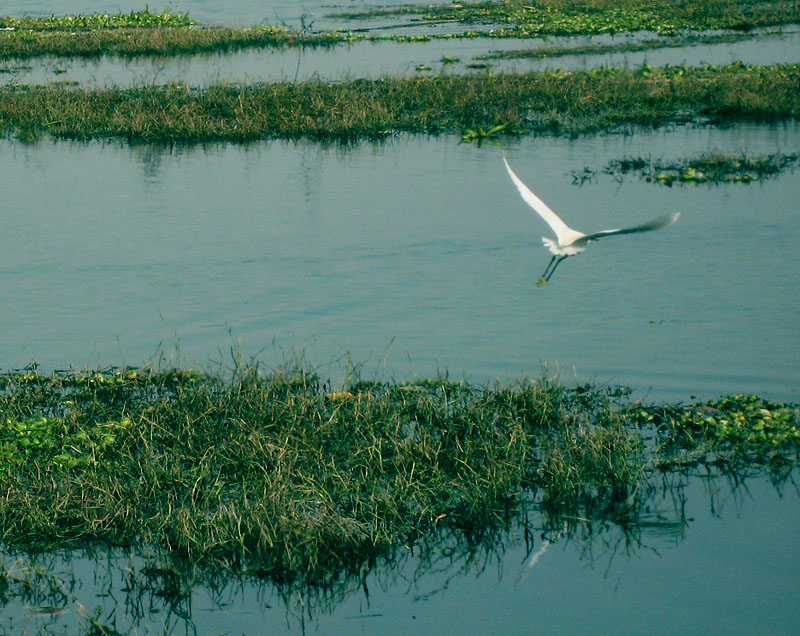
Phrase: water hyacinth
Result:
[711,167]
[573,17]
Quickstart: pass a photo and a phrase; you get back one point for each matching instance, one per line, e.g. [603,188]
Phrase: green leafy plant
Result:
[479,135]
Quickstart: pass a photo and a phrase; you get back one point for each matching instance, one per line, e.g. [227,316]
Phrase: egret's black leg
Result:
[554,267]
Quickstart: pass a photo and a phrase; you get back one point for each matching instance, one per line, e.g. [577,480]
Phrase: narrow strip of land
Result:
[559,102]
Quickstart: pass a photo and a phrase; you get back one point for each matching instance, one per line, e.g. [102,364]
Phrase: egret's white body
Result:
[568,241]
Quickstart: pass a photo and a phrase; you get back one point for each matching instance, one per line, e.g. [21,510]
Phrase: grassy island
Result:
[283,475]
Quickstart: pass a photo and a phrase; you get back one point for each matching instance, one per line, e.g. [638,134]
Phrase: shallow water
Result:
[690,580]
[728,565]
[361,59]
[411,255]
[380,59]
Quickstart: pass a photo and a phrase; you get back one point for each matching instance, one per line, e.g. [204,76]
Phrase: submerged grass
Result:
[280,476]
[555,102]
[681,41]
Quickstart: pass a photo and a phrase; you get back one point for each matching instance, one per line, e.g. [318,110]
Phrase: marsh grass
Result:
[276,473]
[166,40]
[282,477]
[557,102]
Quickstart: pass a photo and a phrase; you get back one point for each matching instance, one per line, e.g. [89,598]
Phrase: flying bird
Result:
[568,241]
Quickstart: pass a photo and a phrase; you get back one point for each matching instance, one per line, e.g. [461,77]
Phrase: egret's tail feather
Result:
[550,244]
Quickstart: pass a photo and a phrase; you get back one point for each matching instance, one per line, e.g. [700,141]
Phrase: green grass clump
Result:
[279,475]
[591,467]
[273,473]
[555,102]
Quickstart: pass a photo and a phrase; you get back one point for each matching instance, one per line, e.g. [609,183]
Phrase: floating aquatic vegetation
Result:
[572,17]
[134,19]
[480,135]
[713,167]
[735,432]
[146,33]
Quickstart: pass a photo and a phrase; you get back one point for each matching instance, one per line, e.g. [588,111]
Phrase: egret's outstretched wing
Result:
[564,233]
[655,224]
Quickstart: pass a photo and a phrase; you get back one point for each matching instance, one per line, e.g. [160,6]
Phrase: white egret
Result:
[568,241]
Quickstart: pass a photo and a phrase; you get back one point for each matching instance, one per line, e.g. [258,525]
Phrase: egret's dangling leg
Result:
[547,269]
[557,260]
[560,258]
[548,272]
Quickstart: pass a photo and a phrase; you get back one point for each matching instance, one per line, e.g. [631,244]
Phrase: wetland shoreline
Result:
[146,33]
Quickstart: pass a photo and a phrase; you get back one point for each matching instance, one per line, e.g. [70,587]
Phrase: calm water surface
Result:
[413,256]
